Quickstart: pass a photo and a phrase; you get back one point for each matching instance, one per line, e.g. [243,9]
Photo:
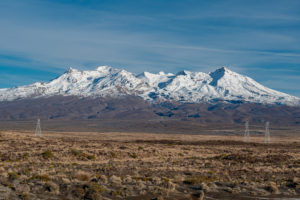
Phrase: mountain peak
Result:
[183,72]
[223,77]
[217,75]
[185,86]
[104,67]
[224,68]
[221,70]
[71,70]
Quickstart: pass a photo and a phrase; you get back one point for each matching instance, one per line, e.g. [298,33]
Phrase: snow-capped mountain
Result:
[185,86]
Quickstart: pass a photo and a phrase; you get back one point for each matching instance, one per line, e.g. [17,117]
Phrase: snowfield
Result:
[185,86]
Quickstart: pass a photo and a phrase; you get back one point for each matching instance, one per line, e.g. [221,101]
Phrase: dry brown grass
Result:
[74,165]
[82,176]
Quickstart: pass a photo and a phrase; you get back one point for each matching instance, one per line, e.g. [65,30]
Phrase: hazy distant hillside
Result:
[135,108]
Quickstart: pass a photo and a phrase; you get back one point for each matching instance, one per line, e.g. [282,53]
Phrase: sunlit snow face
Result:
[185,86]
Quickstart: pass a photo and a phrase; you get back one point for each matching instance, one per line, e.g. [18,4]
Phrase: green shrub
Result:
[47,154]
[13,176]
[81,155]
[25,156]
[140,148]
[90,157]
[96,187]
[133,155]
[44,177]
[24,196]
[113,154]
[76,152]
[199,179]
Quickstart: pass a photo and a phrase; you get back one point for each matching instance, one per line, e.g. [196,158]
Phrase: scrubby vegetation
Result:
[130,166]
[47,154]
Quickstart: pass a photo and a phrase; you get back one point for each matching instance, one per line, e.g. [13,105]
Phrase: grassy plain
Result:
[114,165]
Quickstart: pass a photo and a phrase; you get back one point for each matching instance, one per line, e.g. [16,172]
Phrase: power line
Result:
[247,132]
[38,130]
[267,133]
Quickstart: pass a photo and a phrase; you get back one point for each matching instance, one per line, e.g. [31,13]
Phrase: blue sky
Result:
[40,39]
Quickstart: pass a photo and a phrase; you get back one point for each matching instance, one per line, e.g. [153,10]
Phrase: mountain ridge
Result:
[222,85]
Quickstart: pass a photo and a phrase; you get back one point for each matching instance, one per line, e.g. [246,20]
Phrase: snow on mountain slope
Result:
[104,81]
[154,79]
[220,85]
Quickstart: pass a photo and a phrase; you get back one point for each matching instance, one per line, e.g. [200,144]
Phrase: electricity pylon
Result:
[247,132]
[267,133]
[38,130]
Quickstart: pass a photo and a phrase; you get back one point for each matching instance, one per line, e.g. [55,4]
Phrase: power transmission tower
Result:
[267,133]
[38,130]
[247,132]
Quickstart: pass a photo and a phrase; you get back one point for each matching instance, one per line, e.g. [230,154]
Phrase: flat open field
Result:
[90,165]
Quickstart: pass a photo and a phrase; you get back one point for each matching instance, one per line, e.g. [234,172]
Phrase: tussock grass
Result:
[81,166]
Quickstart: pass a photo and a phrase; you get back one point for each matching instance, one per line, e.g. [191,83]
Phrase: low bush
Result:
[47,154]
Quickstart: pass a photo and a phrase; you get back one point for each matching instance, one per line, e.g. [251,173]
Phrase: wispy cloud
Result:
[150,35]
